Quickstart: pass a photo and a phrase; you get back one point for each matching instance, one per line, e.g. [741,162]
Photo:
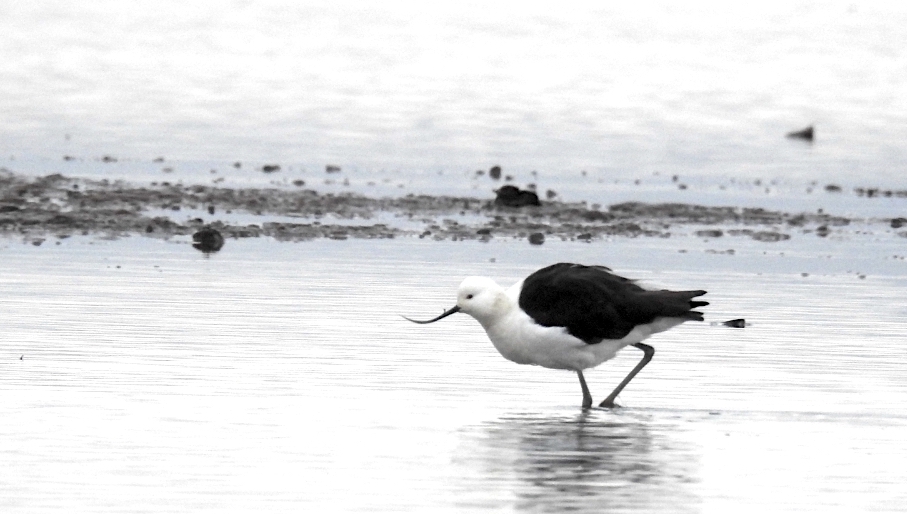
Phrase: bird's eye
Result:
[469,297]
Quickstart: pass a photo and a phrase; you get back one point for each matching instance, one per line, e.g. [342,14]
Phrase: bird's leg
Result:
[587,396]
[648,352]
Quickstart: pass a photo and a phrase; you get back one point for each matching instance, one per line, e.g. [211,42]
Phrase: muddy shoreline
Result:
[61,206]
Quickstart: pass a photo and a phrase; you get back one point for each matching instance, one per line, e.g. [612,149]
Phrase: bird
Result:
[573,317]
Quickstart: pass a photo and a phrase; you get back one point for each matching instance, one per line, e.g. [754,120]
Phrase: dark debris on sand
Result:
[35,208]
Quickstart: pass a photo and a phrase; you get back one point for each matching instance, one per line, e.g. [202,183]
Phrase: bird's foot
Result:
[587,403]
[609,404]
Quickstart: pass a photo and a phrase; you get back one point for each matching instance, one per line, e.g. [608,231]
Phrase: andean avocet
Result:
[573,317]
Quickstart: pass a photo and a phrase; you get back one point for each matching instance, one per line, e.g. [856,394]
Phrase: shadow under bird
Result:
[573,317]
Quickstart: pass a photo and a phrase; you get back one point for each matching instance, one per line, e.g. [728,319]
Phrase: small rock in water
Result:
[270,168]
[805,134]
[898,222]
[735,323]
[495,172]
[332,168]
[512,196]
[536,238]
[207,240]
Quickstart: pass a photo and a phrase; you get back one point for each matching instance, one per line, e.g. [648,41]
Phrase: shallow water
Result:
[141,376]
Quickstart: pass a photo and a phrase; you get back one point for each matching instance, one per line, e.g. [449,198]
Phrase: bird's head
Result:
[480,297]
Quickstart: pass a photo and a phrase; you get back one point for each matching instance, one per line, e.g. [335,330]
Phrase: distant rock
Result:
[208,240]
[804,134]
[270,168]
[332,168]
[512,196]
[495,172]
[536,238]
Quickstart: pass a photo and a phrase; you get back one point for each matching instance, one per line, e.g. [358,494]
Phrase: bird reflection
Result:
[595,461]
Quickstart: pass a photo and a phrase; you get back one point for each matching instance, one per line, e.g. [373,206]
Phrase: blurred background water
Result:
[622,90]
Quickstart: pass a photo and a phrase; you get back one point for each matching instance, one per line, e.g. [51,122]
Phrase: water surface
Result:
[622,90]
[140,376]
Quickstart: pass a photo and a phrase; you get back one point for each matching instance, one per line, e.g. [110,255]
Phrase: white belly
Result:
[520,340]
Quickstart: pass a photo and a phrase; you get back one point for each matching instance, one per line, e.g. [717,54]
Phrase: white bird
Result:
[573,317]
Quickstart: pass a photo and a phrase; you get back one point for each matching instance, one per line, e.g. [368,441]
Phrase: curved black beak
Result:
[446,313]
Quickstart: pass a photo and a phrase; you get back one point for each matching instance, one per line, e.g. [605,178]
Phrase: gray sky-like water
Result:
[628,89]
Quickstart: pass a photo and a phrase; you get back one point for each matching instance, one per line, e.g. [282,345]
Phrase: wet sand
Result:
[60,206]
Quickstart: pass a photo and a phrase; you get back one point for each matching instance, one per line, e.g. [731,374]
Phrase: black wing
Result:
[595,304]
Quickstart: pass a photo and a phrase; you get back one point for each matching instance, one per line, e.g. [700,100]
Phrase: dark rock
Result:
[332,168]
[270,168]
[770,236]
[60,219]
[709,233]
[495,172]
[536,238]
[8,208]
[237,165]
[735,323]
[108,158]
[833,188]
[805,134]
[208,240]
[512,196]
[898,222]
[211,209]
